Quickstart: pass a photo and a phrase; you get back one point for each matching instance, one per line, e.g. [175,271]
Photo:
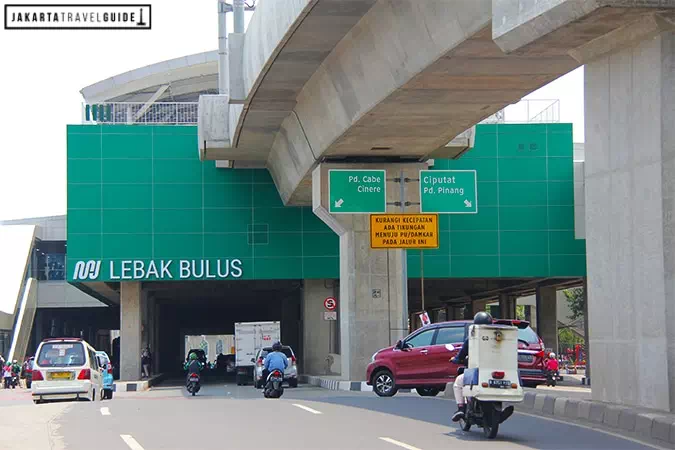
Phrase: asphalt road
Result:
[224,416]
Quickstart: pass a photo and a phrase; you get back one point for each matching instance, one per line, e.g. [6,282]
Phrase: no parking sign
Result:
[330,304]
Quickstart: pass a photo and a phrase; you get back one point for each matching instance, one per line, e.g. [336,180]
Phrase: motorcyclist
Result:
[481,318]
[275,360]
[192,365]
[552,364]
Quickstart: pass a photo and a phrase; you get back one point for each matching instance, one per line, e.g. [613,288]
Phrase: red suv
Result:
[422,360]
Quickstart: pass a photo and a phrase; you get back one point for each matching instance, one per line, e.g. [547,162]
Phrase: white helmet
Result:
[551,355]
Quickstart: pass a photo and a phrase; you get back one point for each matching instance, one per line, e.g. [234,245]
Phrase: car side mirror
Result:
[252,360]
[400,345]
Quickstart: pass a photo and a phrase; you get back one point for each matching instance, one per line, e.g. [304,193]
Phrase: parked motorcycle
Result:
[274,384]
[193,383]
[492,377]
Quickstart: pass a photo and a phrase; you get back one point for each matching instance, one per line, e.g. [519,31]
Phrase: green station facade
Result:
[142,206]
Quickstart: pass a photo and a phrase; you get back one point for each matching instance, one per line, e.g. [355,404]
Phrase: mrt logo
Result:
[88,270]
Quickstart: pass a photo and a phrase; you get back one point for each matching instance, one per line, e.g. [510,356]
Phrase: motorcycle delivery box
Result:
[492,375]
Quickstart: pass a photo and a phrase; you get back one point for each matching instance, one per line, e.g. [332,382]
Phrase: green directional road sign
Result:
[354,191]
[448,191]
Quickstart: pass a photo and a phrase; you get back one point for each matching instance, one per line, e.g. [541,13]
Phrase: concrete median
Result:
[652,427]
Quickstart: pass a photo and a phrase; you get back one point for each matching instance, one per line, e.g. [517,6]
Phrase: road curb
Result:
[651,427]
[334,384]
[137,386]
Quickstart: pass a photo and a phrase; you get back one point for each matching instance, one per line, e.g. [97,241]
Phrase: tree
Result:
[576,300]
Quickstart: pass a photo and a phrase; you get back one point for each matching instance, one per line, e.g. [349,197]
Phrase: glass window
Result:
[528,335]
[422,339]
[61,354]
[93,362]
[285,350]
[450,335]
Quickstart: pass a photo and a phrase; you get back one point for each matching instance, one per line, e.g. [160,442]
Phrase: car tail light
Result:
[37,376]
[540,354]
[110,370]
[293,360]
[85,374]
[498,375]
[260,361]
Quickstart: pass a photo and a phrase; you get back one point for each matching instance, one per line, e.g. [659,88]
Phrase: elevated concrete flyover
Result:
[284,45]
[410,76]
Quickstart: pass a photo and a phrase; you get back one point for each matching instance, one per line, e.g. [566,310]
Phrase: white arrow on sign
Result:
[467,203]
[338,203]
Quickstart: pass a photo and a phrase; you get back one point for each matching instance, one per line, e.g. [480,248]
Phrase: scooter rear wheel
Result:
[490,422]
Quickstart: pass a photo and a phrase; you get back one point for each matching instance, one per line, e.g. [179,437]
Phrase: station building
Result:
[161,244]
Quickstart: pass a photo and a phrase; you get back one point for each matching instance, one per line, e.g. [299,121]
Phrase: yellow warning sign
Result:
[404,231]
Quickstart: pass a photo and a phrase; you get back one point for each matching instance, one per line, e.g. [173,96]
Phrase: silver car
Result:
[290,374]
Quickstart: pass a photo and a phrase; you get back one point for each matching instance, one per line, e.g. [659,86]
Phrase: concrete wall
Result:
[318,334]
[59,294]
[630,223]
[50,228]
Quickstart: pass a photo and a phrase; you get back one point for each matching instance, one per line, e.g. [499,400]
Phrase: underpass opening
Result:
[211,308]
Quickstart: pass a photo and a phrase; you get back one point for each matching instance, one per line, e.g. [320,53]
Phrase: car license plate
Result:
[501,384]
[60,375]
[525,358]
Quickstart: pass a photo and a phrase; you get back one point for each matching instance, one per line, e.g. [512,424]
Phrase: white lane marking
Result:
[313,411]
[105,411]
[131,442]
[399,443]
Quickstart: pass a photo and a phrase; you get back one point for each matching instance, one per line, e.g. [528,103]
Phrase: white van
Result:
[66,368]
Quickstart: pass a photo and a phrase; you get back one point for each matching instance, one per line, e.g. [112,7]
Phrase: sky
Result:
[43,72]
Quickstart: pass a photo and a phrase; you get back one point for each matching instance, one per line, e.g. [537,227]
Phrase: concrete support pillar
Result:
[155,350]
[507,306]
[131,303]
[478,306]
[547,317]
[373,283]
[630,222]
[318,334]
[586,332]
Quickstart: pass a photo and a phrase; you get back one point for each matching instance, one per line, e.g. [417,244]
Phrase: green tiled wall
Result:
[525,221]
[141,193]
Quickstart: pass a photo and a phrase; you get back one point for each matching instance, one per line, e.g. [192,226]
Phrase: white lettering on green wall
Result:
[197,269]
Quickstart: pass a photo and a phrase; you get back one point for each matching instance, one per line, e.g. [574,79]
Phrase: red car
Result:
[422,360]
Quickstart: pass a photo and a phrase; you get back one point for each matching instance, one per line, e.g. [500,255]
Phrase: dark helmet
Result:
[482,318]
[276,346]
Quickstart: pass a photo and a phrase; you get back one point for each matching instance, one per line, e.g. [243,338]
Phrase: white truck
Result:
[249,338]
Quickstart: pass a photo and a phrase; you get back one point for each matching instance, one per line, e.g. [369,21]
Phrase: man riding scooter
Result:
[192,366]
[275,360]
[481,318]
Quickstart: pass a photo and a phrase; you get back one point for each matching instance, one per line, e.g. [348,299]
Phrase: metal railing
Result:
[528,111]
[175,113]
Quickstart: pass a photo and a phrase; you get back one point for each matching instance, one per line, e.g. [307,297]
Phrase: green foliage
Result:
[576,301]
[567,338]
[520,312]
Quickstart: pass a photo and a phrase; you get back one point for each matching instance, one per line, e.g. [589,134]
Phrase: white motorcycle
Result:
[491,378]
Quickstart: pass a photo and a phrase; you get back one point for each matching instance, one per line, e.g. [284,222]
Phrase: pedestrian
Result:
[7,375]
[145,362]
